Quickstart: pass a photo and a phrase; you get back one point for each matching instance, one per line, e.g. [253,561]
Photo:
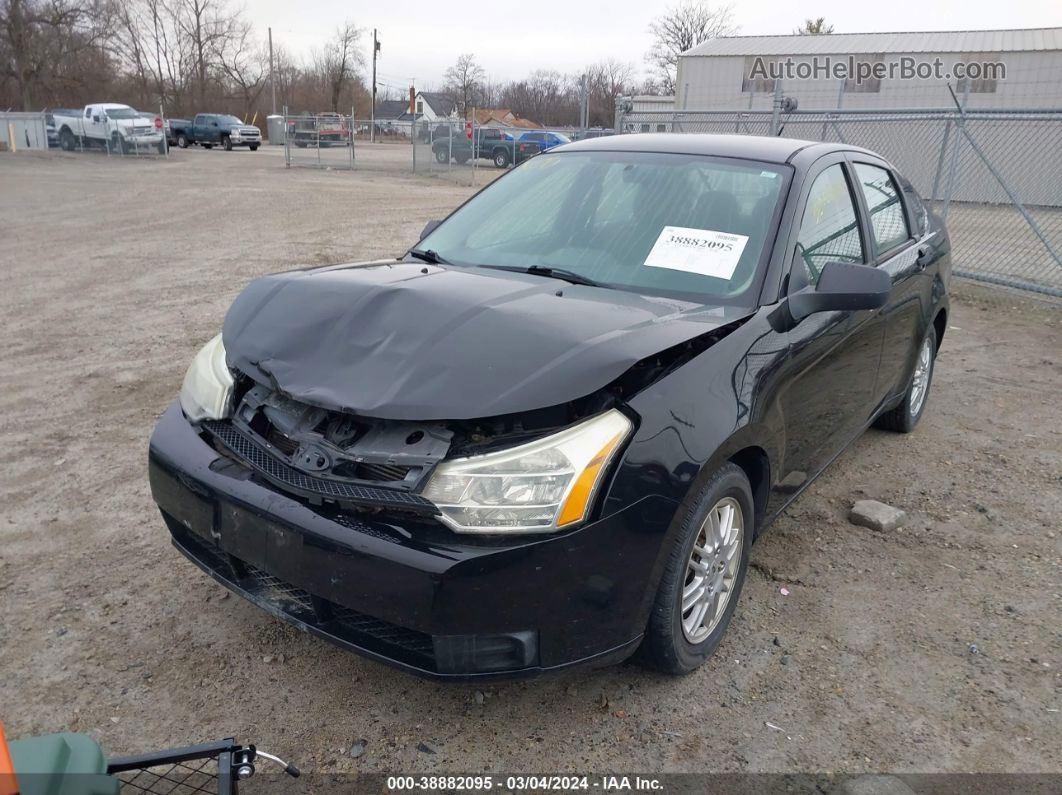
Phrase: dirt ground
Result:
[931,648]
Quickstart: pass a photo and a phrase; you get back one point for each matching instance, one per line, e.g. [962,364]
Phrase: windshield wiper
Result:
[563,273]
[550,273]
[428,255]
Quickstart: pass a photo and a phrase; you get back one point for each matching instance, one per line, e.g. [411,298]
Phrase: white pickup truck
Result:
[118,128]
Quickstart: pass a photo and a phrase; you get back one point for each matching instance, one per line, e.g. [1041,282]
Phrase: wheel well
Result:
[940,325]
[757,468]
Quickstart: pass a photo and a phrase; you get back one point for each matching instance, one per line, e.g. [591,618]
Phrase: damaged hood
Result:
[408,341]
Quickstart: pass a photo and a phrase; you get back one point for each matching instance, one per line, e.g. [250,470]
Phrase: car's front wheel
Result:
[441,156]
[905,417]
[182,141]
[703,577]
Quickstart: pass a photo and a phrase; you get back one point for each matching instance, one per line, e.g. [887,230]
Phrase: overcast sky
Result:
[421,38]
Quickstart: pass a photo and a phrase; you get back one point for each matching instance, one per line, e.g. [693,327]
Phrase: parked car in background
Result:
[214,129]
[116,127]
[491,144]
[51,131]
[173,127]
[549,433]
[544,139]
[427,133]
[318,130]
[592,132]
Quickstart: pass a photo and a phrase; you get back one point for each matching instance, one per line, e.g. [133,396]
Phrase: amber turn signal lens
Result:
[578,503]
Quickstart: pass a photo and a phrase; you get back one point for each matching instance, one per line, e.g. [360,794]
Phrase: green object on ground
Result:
[62,764]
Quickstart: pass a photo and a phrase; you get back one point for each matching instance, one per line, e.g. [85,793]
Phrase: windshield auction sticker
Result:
[702,251]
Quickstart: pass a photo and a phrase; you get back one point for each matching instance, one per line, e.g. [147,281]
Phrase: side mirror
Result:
[428,229]
[842,286]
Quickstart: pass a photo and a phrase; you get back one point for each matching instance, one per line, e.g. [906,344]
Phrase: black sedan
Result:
[549,433]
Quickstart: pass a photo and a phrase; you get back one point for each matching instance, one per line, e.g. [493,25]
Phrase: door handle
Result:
[923,257]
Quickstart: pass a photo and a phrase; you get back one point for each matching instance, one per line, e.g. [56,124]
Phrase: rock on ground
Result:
[876,515]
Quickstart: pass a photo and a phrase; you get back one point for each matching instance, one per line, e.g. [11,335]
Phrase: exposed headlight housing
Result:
[540,487]
[206,393]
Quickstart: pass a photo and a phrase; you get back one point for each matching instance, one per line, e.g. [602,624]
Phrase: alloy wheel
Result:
[712,570]
[920,381]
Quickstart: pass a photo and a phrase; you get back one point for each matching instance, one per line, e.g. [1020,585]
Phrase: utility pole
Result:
[272,74]
[372,112]
[584,97]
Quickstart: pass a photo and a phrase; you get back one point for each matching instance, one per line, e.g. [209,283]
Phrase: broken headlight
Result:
[206,393]
[540,487]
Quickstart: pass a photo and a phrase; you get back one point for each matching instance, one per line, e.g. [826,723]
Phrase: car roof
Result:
[769,149]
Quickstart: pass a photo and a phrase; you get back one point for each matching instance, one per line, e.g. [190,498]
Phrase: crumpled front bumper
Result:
[403,589]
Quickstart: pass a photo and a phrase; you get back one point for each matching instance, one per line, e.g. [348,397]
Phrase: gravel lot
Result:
[931,648]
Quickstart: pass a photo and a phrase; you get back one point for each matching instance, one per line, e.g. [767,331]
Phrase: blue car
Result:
[545,140]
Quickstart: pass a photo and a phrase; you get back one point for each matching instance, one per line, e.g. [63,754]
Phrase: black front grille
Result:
[288,477]
[360,624]
[278,590]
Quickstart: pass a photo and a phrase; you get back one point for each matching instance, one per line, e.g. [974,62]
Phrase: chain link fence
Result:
[131,134]
[318,140]
[993,175]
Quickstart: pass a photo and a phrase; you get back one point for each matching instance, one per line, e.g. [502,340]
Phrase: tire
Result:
[905,416]
[208,146]
[182,141]
[161,147]
[501,158]
[441,157]
[226,142]
[300,144]
[66,140]
[670,645]
[253,147]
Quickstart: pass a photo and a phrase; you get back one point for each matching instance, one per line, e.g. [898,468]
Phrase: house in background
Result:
[716,74]
[433,106]
[504,118]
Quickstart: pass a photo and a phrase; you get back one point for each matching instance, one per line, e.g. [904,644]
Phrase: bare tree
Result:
[681,28]
[337,63]
[814,27]
[245,62]
[608,80]
[207,25]
[46,46]
[463,82]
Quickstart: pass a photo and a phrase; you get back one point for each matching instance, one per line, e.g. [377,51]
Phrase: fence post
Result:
[940,160]
[352,133]
[287,140]
[165,137]
[776,107]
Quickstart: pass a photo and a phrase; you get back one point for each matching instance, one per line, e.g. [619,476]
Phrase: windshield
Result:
[687,226]
[121,113]
[564,139]
[230,119]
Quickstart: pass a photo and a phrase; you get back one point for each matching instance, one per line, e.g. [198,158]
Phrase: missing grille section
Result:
[334,445]
[287,477]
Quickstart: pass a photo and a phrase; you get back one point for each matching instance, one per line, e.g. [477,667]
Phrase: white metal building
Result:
[716,74]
